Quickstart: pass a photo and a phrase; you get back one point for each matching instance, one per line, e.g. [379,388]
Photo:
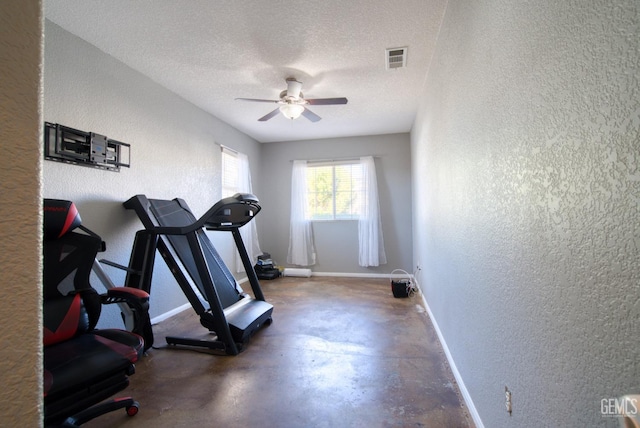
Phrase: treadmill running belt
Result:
[171,214]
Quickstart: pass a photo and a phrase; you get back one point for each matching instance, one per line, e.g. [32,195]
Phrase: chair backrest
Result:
[70,305]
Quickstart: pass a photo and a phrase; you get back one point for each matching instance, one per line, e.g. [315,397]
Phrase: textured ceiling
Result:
[211,52]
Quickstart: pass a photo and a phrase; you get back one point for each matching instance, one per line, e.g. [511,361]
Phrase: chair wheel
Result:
[133,409]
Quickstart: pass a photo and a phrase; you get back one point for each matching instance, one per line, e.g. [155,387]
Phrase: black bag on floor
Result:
[402,287]
[266,272]
[265,268]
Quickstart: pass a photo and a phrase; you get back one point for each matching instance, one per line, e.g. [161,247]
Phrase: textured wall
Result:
[337,241]
[173,152]
[20,213]
[526,188]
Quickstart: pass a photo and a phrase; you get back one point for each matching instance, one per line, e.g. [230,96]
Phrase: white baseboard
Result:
[179,309]
[463,389]
[172,312]
[357,275]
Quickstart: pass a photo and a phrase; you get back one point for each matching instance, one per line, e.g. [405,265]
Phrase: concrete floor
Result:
[341,352]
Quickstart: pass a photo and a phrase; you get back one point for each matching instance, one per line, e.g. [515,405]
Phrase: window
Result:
[236,178]
[334,190]
[230,173]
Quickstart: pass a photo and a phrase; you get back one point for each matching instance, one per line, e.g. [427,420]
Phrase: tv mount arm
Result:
[64,144]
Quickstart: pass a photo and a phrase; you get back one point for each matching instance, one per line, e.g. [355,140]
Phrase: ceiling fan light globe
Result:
[291,111]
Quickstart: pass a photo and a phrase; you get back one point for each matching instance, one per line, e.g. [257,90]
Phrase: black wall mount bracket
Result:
[64,144]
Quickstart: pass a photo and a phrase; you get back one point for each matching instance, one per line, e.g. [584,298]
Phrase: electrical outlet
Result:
[507,402]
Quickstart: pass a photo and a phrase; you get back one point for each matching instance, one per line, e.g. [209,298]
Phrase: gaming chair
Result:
[82,365]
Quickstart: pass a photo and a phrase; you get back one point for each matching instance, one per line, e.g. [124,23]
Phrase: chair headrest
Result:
[60,217]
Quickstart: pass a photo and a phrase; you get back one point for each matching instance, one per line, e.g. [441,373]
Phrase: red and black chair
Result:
[83,366]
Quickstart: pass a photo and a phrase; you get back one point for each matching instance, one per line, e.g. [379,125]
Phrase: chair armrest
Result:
[132,296]
[138,301]
[128,291]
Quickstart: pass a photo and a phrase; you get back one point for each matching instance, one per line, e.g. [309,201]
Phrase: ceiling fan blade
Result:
[310,115]
[293,88]
[269,115]
[258,100]
[326,101]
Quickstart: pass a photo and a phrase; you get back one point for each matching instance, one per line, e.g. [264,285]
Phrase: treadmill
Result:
[171,229]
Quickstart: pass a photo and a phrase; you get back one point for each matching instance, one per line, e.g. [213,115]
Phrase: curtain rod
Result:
[335,159]
[222,146]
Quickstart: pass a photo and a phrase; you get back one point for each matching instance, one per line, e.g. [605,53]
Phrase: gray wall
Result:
[337,241]
[526,190]
[20,213]
[173,151]
[174,155]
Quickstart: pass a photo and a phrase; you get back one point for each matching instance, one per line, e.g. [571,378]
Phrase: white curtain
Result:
[248,232]
[301,248]
[370,238]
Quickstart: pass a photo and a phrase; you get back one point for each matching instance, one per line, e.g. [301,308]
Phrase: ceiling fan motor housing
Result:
[293,88]
[290,99]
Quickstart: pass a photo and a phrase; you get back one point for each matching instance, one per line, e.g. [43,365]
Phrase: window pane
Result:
[320,192]
[334,191]
[230,174]
[343,193]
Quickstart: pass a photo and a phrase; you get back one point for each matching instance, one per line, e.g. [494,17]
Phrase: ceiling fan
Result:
[293,104]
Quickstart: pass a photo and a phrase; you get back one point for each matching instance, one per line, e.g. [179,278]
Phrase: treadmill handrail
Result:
[219,217]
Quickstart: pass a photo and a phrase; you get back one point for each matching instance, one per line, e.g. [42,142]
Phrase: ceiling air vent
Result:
[396,58]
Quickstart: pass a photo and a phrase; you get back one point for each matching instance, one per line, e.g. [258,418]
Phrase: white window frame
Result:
[356,186]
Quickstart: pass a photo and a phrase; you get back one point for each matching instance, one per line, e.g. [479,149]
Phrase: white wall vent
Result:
[396,58]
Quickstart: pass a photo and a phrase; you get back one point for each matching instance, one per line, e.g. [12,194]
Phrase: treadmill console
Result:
[232,212]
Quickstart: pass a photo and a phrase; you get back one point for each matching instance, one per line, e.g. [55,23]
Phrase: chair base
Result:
[76,406]
[129,404]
